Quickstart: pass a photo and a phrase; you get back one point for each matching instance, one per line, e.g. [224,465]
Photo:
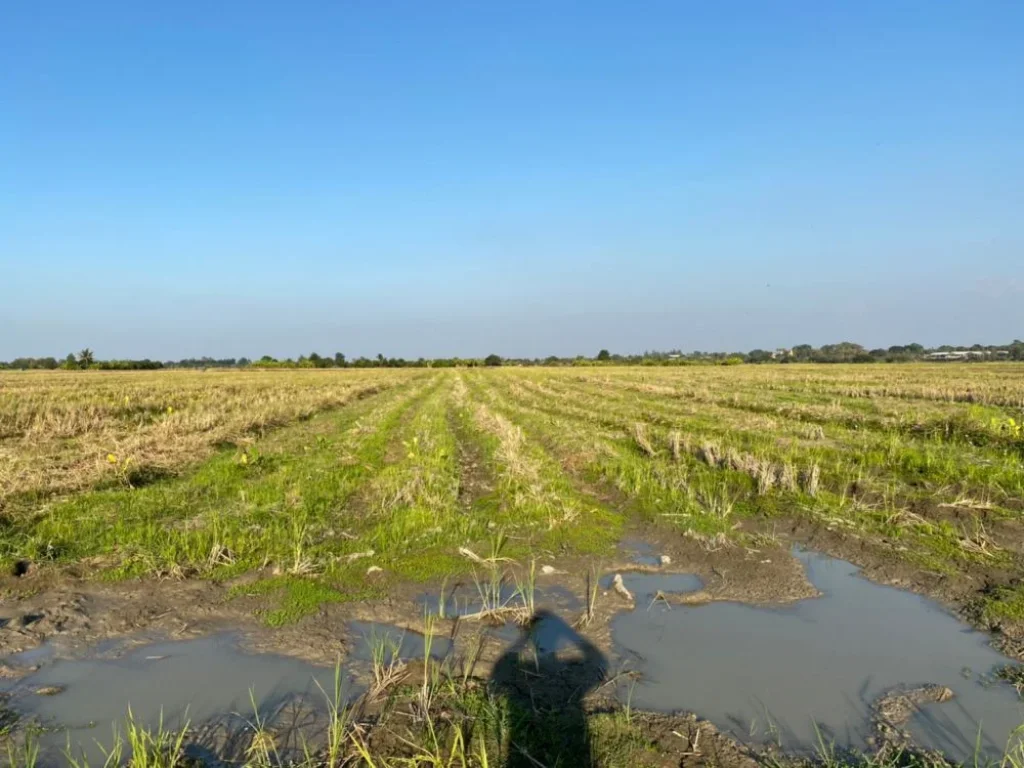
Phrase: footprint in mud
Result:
[545,675]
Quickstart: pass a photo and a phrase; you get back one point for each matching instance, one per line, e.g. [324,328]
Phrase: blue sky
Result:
[242,178]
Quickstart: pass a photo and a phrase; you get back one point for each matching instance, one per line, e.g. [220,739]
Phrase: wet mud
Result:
[719,645]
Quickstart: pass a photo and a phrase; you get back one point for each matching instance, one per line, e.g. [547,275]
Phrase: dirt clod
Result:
[7,672]
[894,709]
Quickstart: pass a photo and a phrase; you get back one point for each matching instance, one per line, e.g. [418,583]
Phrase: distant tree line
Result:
[843,352]
[848,352]
[84,360]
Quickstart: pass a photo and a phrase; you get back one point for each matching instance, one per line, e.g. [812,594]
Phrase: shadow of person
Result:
[544,677]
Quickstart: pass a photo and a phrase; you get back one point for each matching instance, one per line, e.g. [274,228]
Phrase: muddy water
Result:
[639,552]
[771,674]
[762,674]
[209,683]
[204,682]
[646,586]
[547,634]
[395,642]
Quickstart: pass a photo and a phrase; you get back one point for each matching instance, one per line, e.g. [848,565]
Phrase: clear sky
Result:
[529,178]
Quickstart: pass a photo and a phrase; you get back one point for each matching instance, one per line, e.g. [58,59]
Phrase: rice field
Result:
[172,465]
[306,489]
[66,432]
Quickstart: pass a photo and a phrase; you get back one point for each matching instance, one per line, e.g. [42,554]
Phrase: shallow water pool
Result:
[778,674]
[208,682]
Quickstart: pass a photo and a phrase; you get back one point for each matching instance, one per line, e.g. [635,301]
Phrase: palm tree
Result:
[85,358]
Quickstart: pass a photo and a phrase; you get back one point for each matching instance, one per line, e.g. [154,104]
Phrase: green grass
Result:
[436,471]
[277,503]
[538,503]
[560,460]
[313,505]
[296,596]
[873,475]
[1005,604]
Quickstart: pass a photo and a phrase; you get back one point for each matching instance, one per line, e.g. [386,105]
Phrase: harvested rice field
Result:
[576,566]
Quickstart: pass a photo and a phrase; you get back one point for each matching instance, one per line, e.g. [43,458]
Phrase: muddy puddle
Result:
[777,675]
[547,634]
[371,637]
[645,587]
[639,552]
[210,683]
[782,675]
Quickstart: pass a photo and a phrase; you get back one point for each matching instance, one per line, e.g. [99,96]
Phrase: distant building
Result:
[780,353]
[957,354]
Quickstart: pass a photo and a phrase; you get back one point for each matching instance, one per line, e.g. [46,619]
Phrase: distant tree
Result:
[86,358]
[604,355]
[339,359]
[492,360]
[70,362]
[843,352]
[803,352]
[34,363]
[916,349]
[759,356]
